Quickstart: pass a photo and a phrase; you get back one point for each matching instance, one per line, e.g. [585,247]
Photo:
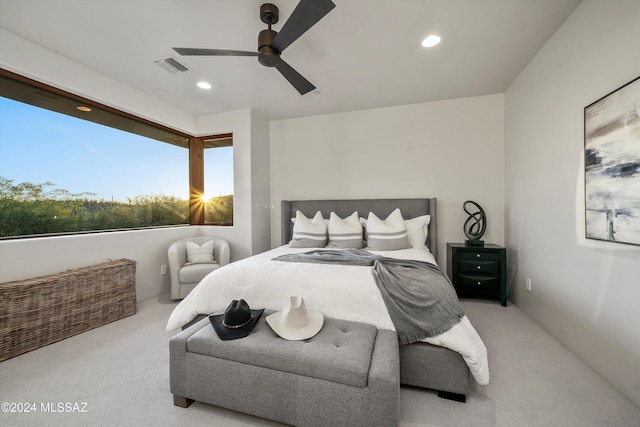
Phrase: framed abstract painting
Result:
[612,166]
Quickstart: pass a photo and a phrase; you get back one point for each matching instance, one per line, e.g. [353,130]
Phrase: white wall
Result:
[586,293]
[246,220]
[452,150]
[260,183]
[23,258]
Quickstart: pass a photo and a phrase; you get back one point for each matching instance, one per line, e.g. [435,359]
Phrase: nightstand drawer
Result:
[479,256]
[479,267]
[479,282]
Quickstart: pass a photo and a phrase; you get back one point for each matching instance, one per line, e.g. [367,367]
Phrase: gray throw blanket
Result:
[420,298]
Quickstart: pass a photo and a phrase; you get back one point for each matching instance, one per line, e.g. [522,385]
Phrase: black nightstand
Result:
[478,271]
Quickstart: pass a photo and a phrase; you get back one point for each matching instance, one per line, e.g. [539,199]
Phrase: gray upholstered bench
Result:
[347,375]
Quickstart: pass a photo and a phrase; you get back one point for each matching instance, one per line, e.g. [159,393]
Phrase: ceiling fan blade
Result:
[304,16]
[301,84]
[186,51]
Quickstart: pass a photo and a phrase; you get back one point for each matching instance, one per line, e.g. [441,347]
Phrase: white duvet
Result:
[338,291]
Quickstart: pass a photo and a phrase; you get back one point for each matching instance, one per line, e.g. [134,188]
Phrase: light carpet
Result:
[118,375]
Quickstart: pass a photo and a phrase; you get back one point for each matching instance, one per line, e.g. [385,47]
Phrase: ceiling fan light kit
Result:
[271,43]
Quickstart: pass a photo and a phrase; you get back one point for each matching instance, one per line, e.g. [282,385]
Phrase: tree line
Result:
[31,209]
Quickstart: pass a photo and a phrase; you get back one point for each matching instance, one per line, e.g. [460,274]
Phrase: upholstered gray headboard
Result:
[410,208]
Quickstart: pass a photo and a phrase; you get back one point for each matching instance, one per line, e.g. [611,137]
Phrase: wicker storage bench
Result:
[347,375]
[40,311]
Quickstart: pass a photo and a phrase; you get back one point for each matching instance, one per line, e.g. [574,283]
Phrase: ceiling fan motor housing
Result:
[267,56]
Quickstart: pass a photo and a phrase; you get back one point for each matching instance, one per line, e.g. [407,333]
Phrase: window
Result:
[71,165]
[218,180]
[211,174]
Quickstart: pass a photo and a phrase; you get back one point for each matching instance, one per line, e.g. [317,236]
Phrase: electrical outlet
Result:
[163,269]
[527,284]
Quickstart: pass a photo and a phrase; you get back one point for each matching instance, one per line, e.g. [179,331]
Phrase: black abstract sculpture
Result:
[475,226]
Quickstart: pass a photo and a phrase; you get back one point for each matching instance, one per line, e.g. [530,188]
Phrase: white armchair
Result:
[185,277]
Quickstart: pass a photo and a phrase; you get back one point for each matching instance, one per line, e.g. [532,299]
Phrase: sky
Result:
[38,146]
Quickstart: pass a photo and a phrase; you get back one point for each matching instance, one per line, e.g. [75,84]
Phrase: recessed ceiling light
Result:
[83,108]
[431,41]
[204,85]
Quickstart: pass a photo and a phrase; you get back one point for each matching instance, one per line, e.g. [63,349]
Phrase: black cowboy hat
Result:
[237,321]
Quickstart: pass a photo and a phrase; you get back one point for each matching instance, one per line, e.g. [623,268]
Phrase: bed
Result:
[447,363]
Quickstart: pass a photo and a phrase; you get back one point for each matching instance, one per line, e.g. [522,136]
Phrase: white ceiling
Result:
[363,54]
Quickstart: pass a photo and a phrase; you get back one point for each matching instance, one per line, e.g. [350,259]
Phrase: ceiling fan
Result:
[271,43]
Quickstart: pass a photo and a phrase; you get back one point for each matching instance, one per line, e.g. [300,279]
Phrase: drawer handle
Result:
[478,255]
[479,283]
[479,268]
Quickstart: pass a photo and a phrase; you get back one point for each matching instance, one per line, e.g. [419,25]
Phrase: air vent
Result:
[171,65]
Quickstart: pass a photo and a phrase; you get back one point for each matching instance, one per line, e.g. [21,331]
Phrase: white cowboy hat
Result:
[295,322]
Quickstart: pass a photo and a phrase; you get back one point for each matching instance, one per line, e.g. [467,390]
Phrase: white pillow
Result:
[326,221]
[388,235]
[345,233]
[418,229]
[200,254]
[309,233]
